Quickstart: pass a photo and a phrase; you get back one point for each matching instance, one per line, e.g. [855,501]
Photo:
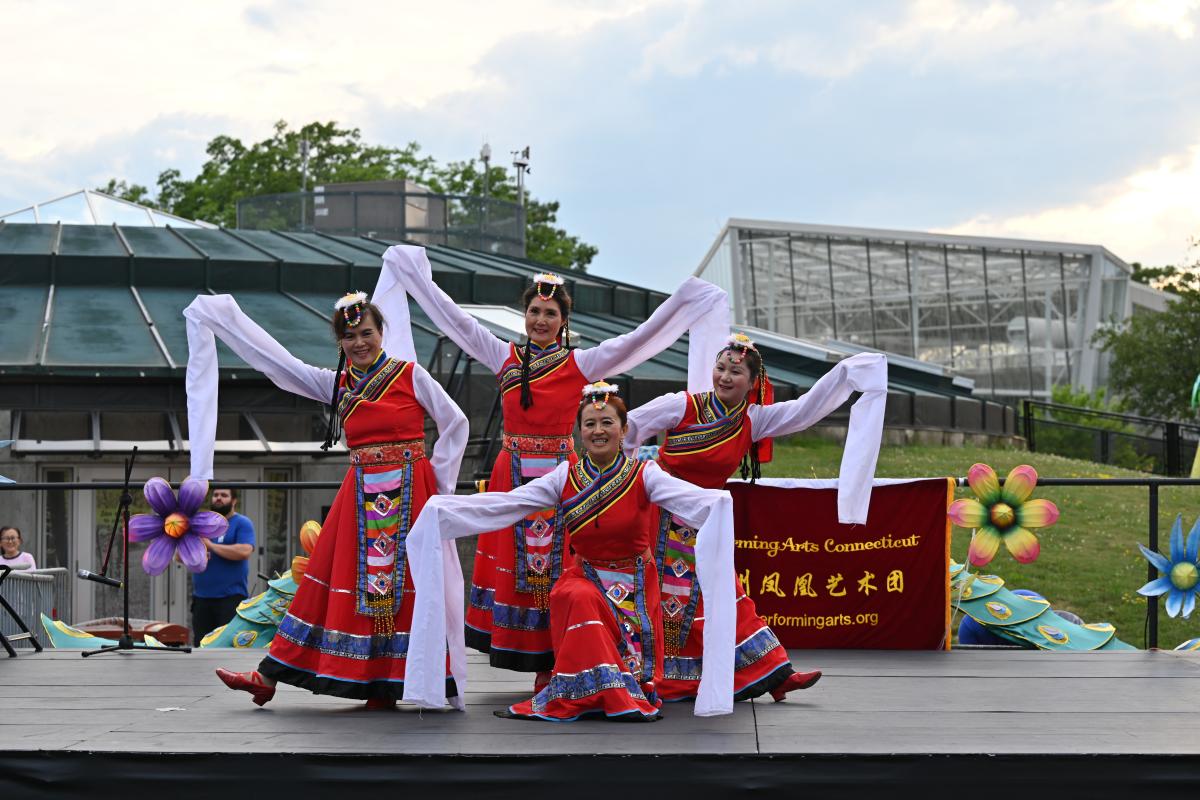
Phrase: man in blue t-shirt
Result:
[217,591]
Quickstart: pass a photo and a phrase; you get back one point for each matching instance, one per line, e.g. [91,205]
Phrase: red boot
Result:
[251,682]
[541,681]
[381,704]
[795,681]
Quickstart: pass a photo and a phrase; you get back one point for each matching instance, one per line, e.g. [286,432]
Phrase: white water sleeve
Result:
[452,427]
[697,307]
[392,299]
[866,373]
[211,316]
[710,511]
[406,268]
[437,621]
[650,419]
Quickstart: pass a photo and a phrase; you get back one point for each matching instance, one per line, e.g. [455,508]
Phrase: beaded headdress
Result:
[737,346]
[546,279]
[598,393]
[351,306]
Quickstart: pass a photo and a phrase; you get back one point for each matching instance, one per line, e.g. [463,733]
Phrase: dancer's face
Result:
[731,378]
[543,321]
[601,431]
[363,342]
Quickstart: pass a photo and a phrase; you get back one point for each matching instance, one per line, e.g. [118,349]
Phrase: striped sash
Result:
[716,426]
[545,362]
[596,490]
[370,385]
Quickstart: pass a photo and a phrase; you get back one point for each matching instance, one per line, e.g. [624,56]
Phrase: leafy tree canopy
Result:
[1176,280]
[338,155]
[1156,358]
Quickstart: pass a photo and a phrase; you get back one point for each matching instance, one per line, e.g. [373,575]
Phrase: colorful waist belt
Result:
[538,444]
[619,564]
[390,453]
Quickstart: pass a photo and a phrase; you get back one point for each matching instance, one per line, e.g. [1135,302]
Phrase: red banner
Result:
[820,584]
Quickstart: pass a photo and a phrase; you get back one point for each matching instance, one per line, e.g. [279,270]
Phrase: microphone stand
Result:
[125,642]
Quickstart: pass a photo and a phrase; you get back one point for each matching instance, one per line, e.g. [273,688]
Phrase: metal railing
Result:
[486,224]
[1151,484]
[1165,447]
[31,594]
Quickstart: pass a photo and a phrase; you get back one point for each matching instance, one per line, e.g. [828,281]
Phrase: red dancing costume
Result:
[516,568]
[705,442]
[605,607]
[346,631]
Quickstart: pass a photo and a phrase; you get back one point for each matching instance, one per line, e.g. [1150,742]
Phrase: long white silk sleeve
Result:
[406,268]
[650,419]
[452,428]
[392,299]
[697,307]
[437,620]
[710,511]
[211,316]
[866,373]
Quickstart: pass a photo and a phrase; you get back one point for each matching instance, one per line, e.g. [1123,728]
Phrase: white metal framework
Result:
[1016,316]
[87,207]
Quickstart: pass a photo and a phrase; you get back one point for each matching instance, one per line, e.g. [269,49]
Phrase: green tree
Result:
[1176,280]
[133,192]
[235,170]
[1156,358]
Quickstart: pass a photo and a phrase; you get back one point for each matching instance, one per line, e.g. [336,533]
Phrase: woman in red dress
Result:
[516,568]
[707,436]
[604,609]
[346,631]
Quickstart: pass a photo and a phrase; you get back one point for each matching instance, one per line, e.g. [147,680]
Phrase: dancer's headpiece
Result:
[598,393]
[547,284]
[351,305]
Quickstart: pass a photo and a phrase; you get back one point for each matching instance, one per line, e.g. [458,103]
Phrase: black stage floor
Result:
[977,723]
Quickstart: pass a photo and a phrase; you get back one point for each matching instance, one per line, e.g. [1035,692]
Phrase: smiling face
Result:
[601,430]
[10,542]
[732,380]
[363,342]
[543,321]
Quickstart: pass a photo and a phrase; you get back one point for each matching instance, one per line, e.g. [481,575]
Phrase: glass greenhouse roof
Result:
[87,207]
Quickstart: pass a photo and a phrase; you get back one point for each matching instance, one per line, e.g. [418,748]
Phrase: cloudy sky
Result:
[654,122]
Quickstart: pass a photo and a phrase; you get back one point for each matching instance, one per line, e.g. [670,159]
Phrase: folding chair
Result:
[27,634]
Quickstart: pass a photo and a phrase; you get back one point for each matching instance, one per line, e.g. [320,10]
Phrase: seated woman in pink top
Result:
[10,550]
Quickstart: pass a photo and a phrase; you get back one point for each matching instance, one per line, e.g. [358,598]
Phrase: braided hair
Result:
[751,466]
[343,318]
[562,297]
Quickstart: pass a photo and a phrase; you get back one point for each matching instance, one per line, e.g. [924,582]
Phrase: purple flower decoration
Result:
[176,525]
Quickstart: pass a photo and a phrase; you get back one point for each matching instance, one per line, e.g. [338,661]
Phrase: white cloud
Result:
[74,74]
[1177,16]
[1003,35]
[1152,216]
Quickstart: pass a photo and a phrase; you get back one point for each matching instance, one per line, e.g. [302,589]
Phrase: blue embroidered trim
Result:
[481,598]
[751,650]
[681,668]
[519,618]
[754,648]
[340,643]
[585,684]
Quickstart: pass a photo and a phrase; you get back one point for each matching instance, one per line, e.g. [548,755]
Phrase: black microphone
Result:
[92,576]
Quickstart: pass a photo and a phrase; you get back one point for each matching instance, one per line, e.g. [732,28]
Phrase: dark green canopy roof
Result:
[92,301]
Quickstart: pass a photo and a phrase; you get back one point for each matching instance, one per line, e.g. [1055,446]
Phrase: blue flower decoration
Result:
[1180,579]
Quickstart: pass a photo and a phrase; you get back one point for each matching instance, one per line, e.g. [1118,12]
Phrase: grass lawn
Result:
[1089,560]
